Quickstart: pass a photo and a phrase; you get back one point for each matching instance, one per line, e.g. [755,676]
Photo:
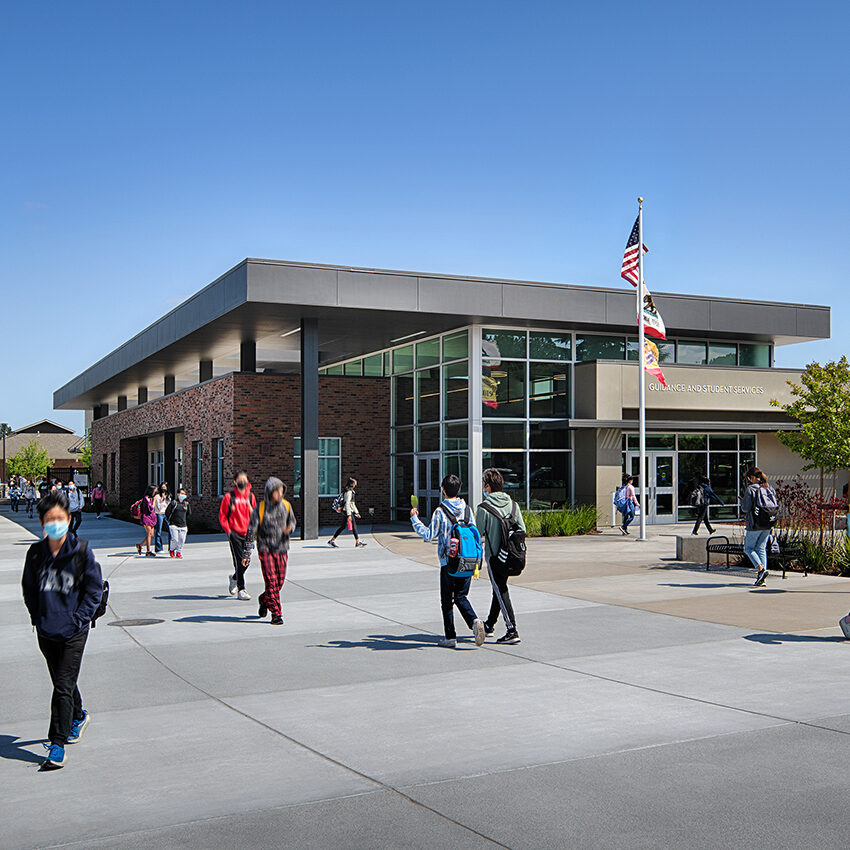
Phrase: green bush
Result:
[563,523]
[832,556]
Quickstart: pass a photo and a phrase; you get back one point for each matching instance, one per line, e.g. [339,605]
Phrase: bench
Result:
[719,544]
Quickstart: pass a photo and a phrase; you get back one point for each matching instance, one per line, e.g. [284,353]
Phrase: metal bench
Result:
[714,546]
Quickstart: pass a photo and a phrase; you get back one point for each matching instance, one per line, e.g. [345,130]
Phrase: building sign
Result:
[708,389]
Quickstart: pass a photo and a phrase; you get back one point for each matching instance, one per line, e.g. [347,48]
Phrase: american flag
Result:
[630,258]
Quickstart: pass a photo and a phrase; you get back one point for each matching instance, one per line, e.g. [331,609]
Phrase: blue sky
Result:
[150,147]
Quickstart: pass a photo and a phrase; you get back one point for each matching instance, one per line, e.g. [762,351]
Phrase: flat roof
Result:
[364,309]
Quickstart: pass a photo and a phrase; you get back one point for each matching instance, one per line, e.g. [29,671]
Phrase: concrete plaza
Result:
[650,704]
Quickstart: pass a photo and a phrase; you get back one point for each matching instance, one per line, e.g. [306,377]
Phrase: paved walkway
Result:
[649,705]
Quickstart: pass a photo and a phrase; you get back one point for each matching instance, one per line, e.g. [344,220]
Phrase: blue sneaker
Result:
[77,728]
[55,757]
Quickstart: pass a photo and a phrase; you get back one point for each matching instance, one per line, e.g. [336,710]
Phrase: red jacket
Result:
[237,520]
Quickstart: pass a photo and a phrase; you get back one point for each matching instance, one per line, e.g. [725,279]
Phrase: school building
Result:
[314,373]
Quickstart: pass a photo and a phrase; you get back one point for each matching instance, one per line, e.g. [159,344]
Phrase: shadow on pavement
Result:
[212,618]
[709,586]
[194,596]
[778,638]
[12,748]
[384,642]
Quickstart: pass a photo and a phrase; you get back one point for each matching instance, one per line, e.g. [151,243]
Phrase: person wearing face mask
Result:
[62,586]
[177,514]
[76,503]
[234,516]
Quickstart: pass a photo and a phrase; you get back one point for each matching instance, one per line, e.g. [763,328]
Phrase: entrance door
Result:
[428,483]
[660,487]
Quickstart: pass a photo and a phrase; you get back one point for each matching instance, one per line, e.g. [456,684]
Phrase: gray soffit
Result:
[362,310]
[676,425]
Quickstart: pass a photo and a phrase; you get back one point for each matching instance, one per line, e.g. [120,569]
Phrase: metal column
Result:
[309,429]
[476,441]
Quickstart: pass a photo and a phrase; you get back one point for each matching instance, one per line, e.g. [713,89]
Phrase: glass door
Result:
[428,484]
[661,485]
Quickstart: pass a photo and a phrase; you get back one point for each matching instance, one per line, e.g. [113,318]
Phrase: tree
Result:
[85,454]
[5,429]
[821,409]
[30,461]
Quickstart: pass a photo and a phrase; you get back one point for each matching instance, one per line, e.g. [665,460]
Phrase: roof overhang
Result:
[361,310]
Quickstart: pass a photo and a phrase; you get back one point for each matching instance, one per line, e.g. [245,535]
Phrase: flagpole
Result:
[641,378]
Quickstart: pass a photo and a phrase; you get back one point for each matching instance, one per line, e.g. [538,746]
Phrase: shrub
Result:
[563,523]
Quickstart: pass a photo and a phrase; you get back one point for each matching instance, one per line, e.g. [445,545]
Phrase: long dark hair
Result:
[149,492]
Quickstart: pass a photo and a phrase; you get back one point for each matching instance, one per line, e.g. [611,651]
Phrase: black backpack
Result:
[80,565]
[511,554]
[698,496]
[765,508]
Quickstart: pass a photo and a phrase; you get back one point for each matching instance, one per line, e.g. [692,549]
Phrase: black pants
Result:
[500,579]
[76,519]
[453,591]
[344,524]
[64,658]
[702,516]
[237,547]
[98,506]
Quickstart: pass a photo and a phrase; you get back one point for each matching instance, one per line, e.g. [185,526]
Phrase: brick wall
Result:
[258,417]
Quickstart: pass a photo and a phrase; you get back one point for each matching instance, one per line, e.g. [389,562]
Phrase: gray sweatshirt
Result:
[272,534]
[489,526]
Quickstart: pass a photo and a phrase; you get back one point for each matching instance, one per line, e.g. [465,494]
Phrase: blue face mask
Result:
[181,497]
[57,529]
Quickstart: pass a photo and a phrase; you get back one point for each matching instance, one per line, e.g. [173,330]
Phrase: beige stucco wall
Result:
[778,463]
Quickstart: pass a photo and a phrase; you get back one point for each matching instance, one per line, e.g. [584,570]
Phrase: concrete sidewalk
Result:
[614,724]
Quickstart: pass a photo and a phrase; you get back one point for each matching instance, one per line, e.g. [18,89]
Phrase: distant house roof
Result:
[45,426]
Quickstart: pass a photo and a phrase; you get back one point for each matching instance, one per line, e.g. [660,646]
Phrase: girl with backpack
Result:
[147,517]
[759,507]
[626,501]
[350,515]
[98,497]
[498,505]
[161,501]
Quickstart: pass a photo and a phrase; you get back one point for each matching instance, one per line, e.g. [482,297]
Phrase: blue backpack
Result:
[621,499]
[465,542]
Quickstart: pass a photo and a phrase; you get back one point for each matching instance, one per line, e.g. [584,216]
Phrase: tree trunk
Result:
[820,512]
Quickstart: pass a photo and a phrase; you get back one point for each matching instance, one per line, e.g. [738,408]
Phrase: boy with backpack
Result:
[502,527]
[459,551]
[272,523]
[233,516]
[64,593]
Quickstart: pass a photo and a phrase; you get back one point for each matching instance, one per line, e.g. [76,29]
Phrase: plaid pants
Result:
[274,573]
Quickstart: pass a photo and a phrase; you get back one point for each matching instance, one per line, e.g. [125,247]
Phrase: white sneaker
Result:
[448,643]
[478,631]
[844,622]
[233,585]
[243,595]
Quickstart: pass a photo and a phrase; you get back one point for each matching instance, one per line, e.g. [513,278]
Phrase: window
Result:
[330,464]
[373,366]
[155,467]
[403,359]
[600,348]
[691,352]
[456,390]
[428,395]
[503,388]
[549,390]
[355,367]
[722,355]
[335,370]
[197,469]
[754,355]
[503,343]
[427,353]
[504,435]
[219,466]
[104,471]
[112,473]
[178,468]
[456,346]
[543,346]
[666,350]
[403,400]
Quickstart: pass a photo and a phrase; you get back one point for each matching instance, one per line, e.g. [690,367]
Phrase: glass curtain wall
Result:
[722,458]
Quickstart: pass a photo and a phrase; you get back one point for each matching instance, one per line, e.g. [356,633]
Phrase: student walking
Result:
[453,589]
[702,497]
[627,502]
[147,517]
[98,497]
[177,514]
[350,515]
[161,501]
[498,505]
[14,494]
[31,495]
[62,586]
[76,503]
[272,523]
[234,514]
[760,508]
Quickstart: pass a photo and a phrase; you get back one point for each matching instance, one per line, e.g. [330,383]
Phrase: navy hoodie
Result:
[59,606]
